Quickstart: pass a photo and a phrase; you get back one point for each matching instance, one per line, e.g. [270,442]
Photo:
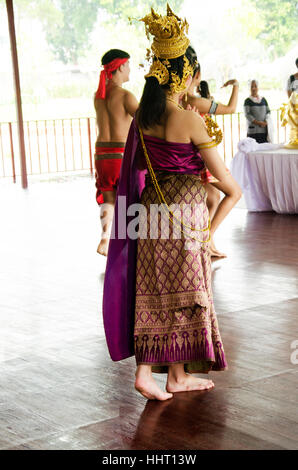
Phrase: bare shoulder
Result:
[127,93]
[128,96]
[189,124]
[194,119]
[118,92]
[123,93]
[187,119]
[197,128]
[130,102]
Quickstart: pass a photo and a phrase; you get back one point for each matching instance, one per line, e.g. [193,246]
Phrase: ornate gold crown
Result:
[179,84]
[169,31]
[159,70]
[169,42]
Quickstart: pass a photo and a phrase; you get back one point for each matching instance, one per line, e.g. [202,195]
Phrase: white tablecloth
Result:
[268,178]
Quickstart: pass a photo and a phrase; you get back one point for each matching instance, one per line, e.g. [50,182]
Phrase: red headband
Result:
[105,74]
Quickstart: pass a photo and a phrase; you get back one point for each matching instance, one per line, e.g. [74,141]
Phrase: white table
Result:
[269,179]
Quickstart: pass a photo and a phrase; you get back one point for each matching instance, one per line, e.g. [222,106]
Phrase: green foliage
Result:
[68,23]
[122,9]
[69,90]
[36,9]
[280,19]
[68,37]
[250,20]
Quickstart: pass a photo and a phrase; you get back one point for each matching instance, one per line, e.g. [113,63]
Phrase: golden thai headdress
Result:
[169,42]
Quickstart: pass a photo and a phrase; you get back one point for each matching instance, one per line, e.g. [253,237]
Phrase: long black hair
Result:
[204,89]
[153,101]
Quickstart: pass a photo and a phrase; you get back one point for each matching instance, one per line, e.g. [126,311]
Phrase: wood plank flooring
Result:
[59,388]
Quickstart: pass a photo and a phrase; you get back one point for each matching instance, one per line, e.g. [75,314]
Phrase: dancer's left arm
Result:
[130,103]
[226,183]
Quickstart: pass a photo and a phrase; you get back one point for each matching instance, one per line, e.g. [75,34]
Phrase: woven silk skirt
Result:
[175,320]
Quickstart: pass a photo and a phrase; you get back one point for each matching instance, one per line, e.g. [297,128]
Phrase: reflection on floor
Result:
[58,387]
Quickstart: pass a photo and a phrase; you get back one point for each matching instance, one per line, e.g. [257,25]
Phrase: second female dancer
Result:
[204,106]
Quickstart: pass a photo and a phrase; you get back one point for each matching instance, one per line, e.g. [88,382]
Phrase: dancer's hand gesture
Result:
[231,82]
[192,108]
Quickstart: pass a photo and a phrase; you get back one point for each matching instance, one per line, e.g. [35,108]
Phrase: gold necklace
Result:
[175,102]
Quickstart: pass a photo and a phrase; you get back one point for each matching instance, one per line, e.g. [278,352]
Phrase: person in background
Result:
[115,108]
[292,83]
[256,111]
[203,90]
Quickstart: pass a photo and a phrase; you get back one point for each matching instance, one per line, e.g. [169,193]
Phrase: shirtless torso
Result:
[114,114]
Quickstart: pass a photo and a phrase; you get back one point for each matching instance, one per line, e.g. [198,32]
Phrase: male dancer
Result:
[115,108]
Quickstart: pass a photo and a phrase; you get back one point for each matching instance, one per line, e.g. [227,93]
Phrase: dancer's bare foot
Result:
[217,254]
[187,383]
[102,248]
[149,389]
[214,251]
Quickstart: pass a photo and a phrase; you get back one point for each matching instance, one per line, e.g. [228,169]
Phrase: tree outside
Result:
[60,45]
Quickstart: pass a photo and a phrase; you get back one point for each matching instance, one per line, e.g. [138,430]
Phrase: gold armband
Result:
[207,145]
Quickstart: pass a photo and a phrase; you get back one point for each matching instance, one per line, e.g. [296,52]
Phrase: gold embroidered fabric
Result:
[175,321]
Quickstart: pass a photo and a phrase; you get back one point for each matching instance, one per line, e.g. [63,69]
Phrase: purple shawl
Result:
[119,282]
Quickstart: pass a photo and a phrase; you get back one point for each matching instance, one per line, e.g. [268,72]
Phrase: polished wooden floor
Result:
[58,387]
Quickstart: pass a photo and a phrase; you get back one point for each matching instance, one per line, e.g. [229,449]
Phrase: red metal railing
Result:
[67,145]
[52,146]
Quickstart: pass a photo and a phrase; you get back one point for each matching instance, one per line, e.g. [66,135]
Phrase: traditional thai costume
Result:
[108,159]
[157,301]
